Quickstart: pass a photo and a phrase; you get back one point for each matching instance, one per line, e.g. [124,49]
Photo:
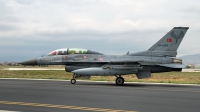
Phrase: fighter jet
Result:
[161,57]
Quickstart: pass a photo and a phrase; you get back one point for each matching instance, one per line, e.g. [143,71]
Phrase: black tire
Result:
[119,81]
[73,81]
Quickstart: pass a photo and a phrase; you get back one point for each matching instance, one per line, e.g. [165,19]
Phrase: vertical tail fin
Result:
[167,45]
[171,41]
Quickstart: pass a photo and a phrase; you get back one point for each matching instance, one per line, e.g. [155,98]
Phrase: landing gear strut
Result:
[73,81]
[119,80]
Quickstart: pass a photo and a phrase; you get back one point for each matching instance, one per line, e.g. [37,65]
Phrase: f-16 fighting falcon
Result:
[85,63]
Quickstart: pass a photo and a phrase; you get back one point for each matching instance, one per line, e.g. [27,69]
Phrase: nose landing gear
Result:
[73,80]
[119,80]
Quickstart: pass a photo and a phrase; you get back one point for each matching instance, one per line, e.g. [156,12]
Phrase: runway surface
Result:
[61,96]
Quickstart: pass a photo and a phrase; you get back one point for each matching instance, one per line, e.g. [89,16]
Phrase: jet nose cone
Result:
[29,62]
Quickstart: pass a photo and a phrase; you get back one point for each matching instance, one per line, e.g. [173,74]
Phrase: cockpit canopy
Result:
[66,51]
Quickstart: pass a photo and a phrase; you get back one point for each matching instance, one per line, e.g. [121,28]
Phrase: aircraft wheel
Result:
[73,81]
[119,81]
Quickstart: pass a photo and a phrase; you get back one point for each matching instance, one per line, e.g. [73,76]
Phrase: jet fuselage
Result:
[158,58]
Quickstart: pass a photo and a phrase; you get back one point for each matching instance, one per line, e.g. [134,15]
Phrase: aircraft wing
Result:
[125,64]
[172,65]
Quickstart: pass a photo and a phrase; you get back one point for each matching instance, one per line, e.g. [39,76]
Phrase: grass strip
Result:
[166,77]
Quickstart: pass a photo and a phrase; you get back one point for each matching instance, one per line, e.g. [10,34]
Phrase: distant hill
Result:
[191,59]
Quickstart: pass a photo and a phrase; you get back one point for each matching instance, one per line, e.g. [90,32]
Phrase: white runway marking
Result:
[33,69]
[8,111]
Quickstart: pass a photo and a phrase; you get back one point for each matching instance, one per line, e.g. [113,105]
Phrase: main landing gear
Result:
[73,81]
[119,80]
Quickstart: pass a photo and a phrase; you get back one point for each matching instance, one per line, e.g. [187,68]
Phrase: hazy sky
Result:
[30,28]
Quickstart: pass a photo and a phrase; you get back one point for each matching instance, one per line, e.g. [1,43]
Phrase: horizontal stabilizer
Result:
[172,65]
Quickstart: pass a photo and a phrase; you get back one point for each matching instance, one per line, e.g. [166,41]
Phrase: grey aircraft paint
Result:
[85,63]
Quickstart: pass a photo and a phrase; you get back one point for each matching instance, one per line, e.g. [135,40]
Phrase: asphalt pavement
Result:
[21,95]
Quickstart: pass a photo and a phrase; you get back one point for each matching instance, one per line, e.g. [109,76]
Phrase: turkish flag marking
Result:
[169,40]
